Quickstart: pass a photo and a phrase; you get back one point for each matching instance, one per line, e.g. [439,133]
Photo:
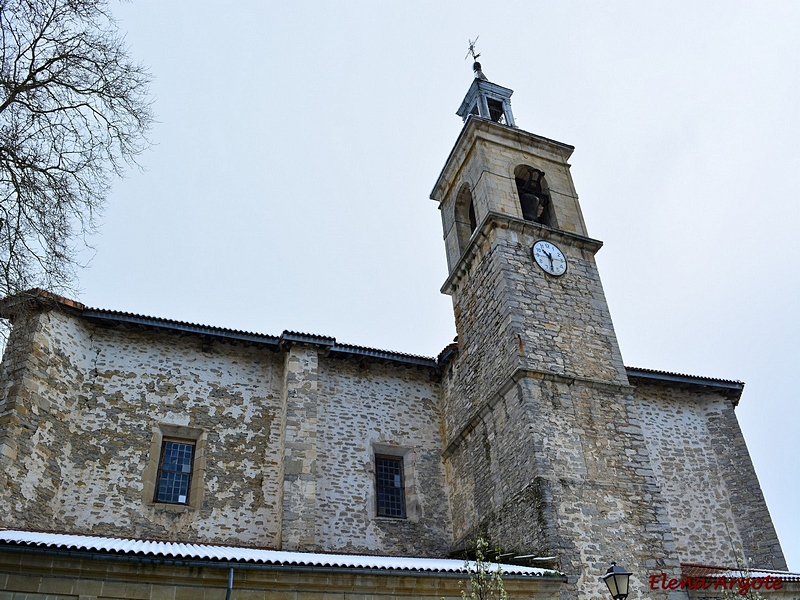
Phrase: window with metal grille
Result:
[390,487]
[175,472]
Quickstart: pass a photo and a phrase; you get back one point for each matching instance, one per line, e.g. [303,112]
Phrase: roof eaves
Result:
[307,338]
[10,305]
[728,384]
[447,353]
[273,342]
[134,319]
[411,359]
[200,553]
[287,337]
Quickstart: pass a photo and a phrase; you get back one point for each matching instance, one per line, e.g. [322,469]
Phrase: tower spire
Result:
[485,99]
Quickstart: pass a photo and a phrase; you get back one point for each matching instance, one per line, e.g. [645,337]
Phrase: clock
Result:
[550,258]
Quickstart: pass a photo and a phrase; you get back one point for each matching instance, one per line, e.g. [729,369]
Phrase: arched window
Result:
[466,222]
[534,195]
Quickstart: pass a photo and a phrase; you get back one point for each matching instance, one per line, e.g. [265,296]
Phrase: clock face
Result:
[550,258]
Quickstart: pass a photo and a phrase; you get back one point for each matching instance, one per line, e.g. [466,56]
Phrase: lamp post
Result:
[616,579]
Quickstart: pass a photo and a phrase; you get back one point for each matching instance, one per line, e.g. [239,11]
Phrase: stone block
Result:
[22,583]
[162,592]
[55,585]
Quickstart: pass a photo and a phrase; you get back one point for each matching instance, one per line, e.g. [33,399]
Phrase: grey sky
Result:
[298,143]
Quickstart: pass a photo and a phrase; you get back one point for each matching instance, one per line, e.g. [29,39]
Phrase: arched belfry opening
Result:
[534,195]
[466,221]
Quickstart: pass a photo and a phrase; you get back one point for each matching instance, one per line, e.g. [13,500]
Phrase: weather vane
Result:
[472,49]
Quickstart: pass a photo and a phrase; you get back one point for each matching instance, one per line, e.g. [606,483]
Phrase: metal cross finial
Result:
[472,49]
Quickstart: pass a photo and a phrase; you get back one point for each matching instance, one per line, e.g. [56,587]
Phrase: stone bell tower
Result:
[544,452]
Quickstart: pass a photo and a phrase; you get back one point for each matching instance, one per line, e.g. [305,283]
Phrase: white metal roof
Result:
[187,551]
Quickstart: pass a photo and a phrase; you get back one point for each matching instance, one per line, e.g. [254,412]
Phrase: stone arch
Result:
[466,221]
[534,195]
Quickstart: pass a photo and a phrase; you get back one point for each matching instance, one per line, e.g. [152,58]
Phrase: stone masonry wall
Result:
[367,409]
[298,443]
[511,315]
[570,462]
[590,447]
[100,392]
[491,475]
[285,439]
[714,501]
[564,322]
[489,350]
[41,383]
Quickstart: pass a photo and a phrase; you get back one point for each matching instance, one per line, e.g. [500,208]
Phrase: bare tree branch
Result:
[74,113]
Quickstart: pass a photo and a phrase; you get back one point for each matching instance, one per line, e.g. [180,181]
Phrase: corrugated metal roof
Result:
[684,378]
[237,334]
[209,552]
[286,336]
[124,317]
[414,359]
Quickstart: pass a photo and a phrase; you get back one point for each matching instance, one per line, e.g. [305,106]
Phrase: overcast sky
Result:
[298,142]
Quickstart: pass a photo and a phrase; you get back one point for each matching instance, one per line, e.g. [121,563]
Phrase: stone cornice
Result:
[495,219]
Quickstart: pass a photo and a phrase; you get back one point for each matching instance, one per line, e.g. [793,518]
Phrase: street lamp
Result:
[616,579]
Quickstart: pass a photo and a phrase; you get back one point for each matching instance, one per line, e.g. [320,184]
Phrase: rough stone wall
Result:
[41,385]
[714,501]
[367,409]
[491,474]
[288,439]
[568,460]
[511,315]
[594,458]
[565,324]
[81,457]
[540,425]
[489,350]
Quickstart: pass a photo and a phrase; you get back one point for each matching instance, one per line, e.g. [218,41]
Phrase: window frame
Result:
[398,460]
[151,476]
[161,471]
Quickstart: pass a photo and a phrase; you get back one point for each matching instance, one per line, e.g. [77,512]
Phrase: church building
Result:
[155,459]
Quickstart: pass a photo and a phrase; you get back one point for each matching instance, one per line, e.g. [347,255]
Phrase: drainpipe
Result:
[230,584]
